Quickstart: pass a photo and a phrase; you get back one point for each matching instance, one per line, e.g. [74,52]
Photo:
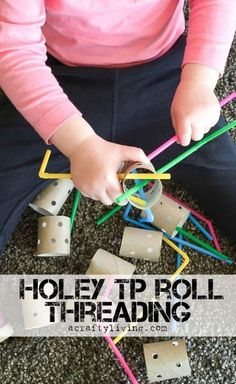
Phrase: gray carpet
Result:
[89,360]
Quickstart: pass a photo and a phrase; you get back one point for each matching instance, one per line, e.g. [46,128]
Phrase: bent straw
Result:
[200,217]
[199,249]
[131,176]
[177,272]
[74,208]
[215,239]
[202,243]
[200,227]
[44,175]
[179,158]
[176,239]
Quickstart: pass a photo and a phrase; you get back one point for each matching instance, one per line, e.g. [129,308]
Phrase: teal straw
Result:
[74,208]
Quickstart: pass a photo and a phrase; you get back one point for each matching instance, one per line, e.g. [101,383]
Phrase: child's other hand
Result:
[94,166]
[195,108]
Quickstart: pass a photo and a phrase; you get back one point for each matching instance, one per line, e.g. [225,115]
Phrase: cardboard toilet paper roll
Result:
[35,313]
[52,198]
[153,193]
[166,360]
[168,215]
[141,244]
[105,263]
[53,236]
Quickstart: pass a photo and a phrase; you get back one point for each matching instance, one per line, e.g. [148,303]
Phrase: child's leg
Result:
[143,119]
[22,150]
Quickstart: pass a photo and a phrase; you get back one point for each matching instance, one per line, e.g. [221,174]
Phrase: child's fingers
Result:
[183,131]
[198,131]
[115,190]
[207,128]
[105,198]
[90,197]
[133,154]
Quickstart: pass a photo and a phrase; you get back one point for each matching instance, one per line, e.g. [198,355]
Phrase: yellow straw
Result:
[131,176]
[44,175]
[137,200]
[144,176]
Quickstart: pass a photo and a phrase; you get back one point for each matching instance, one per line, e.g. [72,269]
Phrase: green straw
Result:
[166,167]
[74,209]
[108,214]
[178,159]
[202,243]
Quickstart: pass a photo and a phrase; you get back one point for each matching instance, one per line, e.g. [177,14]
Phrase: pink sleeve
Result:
[212,25]
[24,76]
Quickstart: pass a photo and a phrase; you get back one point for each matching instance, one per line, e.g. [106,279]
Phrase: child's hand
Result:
[94,165]
[195,108]
[94,161]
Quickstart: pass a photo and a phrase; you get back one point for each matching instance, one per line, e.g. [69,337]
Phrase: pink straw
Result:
[163,147]
[200,217]
[112,345]
[121,359]
[212,231]
[227,99]
[174,139]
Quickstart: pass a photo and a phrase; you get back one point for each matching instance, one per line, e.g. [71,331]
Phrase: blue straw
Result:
[199,249]
[200,227]
[179,257]
[148,218]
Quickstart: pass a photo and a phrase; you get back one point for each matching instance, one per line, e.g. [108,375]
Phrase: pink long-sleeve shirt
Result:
[98,33]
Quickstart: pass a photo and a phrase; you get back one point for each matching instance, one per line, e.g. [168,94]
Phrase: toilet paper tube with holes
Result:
[152,195]
[52,198]
[35,313]
[53,236]
[166,360]
[141,244]
[168,215]
[105,263]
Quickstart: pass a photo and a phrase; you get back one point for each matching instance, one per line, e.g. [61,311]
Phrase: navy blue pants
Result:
[128,106]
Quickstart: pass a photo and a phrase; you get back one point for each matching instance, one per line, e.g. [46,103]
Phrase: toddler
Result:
[107,82]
